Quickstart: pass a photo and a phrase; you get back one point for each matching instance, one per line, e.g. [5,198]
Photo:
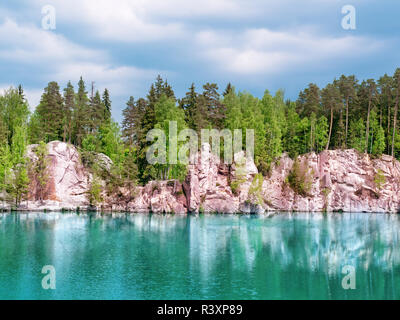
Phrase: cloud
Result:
[118,20]
[29,44]
[32,95]
[55,58]
[263,51]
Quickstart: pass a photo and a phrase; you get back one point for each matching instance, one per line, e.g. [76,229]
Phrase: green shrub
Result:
[379,179]
[95,192]
[240,177]
[300,179]
[255,191]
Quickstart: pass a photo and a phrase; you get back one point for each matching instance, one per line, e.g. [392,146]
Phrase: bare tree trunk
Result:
[394,121]
[347,121]
[388,130]
[330,130]
[367,130]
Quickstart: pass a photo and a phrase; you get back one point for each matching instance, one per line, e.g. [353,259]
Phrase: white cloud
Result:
[119,80]
[118,20]
[28,44]
[262,51]
[57,59]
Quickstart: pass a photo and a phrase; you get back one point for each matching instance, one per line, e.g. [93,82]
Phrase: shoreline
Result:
[266,213]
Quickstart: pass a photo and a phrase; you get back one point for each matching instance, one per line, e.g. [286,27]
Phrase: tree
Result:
[69,107]
[228,89]
[166,111]
[368,91]
[215,109]
[80,113]
[132,130]
[14,112]
[347,87]
[51,113]
[385,85]
[396,106]
[39,170]
[321,133]
[309,101]
[331,101]
[357,135]
[18,181]
[189,104]
[107,104]
[273,134]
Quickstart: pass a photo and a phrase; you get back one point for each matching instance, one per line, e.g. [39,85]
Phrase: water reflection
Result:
[293,256]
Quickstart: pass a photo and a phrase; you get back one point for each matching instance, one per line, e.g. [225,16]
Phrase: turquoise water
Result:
[287,256]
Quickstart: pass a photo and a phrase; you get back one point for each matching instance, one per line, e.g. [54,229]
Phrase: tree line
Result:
[346,113]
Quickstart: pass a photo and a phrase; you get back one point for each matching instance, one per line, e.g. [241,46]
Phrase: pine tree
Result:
[347,87]
[80,114]
[107,104]
[51,113]
[396,106]
[309,101]
[69,107]
[189,104]
[331,102]
[385,85]
[369,93]
[228,89]
[215,109]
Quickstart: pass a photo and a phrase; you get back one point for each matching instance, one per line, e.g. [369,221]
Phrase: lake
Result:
[135,256]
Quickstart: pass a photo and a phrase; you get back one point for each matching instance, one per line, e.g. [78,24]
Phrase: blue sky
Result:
[255,44]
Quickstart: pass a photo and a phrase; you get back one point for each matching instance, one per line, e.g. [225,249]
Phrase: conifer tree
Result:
[331,101]
[69,107]
[347,87]
[80,114]
[107,104]
[396,106]
[51,113]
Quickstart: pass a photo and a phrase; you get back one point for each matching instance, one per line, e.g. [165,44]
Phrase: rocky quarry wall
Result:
[334,180]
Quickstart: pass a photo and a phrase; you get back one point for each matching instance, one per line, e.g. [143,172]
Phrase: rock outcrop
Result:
[67,180]
[337,180]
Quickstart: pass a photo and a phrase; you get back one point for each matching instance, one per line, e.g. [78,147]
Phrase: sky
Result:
[256,45]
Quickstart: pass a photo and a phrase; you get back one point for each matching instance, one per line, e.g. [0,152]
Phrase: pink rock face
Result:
[68,180]
[340,180]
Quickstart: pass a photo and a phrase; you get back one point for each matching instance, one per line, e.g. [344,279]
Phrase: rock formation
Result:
[335,180]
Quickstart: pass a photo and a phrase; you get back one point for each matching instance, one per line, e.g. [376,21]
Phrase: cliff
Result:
[337,180]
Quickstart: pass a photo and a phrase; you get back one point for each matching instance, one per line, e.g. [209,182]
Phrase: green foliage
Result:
[343,114]
[379,179]
[95,191]
[49,114]
[39,170]
[239,178]
[300,179]
[14,113]
[357,135]
[255,191]
[5,164]
[17,184]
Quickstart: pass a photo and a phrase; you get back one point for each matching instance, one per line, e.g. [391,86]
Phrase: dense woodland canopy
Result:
[347,113]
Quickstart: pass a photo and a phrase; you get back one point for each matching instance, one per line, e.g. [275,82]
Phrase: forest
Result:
[346,113]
